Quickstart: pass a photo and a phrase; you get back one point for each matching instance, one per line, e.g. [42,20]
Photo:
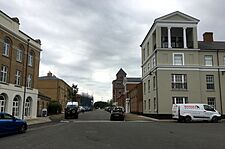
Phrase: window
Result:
[208,108]
[153,61]
[180,100]
[210,82]
[143,54]
[28,107]
[18,78]
[144,88]
[178,59]
[4,74]
[212,102]
[144,104]
[6,46]
[154,82]
[149,86]
[179,81]
[19,55]
[148,50]
[30,59]
[155,104]
[149,104]
[29,81]
[2,103]
[208,60]
[15,108]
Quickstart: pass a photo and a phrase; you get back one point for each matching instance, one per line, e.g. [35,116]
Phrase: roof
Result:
[216,45]
[188,19]
[133,79]
[121,71]
[48,78]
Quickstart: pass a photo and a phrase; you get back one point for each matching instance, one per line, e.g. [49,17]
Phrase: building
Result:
[136,99]
[118,87]
[55,88]
[129,84]
[19,64]
[42,103]
[177,68]
[85,100]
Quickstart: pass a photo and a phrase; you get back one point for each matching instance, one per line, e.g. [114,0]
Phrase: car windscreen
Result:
[118,110]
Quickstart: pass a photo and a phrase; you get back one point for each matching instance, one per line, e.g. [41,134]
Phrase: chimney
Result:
[38,41]
[49,74]
[208,37]
[15,19]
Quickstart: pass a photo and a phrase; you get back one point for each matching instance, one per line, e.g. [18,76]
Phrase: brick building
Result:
[55,88]
[19,64]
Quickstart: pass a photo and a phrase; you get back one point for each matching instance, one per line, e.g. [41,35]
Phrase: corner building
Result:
[177,68]
[19,68]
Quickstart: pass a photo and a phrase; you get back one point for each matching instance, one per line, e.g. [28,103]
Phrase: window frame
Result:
[18,78]
[6,48]
[178,98]
[19,55]
[177,84]
[4,74]
[207,60]
[212,102]
[182,59]
[29,81]
[210,82]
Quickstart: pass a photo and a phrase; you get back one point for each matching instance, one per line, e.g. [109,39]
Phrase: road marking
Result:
[108,121]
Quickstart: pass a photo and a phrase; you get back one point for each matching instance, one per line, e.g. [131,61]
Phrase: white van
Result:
[195,112]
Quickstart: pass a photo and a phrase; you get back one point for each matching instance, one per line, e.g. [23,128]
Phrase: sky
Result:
[86,42]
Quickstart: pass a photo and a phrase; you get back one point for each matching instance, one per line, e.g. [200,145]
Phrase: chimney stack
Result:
[208,37]
[49,74]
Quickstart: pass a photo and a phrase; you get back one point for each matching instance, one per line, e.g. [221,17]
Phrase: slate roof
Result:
[216,45]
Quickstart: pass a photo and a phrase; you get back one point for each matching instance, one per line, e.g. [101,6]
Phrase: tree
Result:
[74,92]
[100,104]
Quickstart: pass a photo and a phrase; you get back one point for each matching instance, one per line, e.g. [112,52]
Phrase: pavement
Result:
[59,117]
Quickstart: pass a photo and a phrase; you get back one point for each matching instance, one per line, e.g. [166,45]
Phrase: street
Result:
[93,130]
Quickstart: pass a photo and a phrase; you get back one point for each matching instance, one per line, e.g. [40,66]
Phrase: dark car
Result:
[117,114]
[71,111]
[9,124]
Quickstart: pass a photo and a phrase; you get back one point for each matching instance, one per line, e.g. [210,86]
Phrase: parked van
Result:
[195,112]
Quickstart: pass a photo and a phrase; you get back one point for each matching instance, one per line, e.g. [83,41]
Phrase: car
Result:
[71,110]
[117,113]
[195,112]
[10,124]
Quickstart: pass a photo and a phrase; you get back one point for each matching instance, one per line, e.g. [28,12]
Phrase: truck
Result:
[195,112]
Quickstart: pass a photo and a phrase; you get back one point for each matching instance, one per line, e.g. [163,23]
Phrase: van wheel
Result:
[215,119]
[187,119]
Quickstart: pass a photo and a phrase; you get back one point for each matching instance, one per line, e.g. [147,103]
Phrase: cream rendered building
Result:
[19,67]
[176,68]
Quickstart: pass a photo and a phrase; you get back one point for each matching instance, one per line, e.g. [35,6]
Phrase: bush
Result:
[54,108]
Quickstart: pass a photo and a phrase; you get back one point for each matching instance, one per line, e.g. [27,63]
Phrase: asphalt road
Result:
[93,130]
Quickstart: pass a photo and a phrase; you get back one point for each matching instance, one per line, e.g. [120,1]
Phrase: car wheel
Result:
[215,119]
[22,129]
[187,119]
[76,116]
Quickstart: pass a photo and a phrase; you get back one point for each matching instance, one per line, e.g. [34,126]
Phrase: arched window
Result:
[19,53]
[6,47]
[16,105]
[2,102]
[28,106]
[30,58]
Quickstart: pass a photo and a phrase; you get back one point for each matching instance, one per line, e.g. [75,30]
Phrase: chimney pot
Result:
[49,74]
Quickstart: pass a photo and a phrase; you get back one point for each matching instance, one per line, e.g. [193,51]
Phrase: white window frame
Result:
[155,104]
[27,109]
[18,77]
[19,55]
[30,59]
[29,81]
[176,99]
[183,81]
[182,56]
[210,81]
[153,61]
[208,60]
[149,104]
[212,101]
[16,106]
[4,74]
[2,103]
[6,47]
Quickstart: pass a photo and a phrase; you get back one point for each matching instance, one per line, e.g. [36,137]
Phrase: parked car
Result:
[195,112]
[10,124]
[71,110]
[117,113]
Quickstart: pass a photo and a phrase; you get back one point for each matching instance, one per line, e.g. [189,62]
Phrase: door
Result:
[208,112]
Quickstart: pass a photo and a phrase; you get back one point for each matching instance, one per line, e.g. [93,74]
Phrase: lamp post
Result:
[25,78]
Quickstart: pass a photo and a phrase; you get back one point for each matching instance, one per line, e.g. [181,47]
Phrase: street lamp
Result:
[25,81]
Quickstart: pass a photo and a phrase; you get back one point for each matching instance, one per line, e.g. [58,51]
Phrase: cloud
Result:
[87,42]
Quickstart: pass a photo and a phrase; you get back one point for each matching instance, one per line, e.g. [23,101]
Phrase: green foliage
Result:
[100,104]
[54,108]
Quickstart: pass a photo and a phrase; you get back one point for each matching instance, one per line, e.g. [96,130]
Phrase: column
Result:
[184,37]
[169,37]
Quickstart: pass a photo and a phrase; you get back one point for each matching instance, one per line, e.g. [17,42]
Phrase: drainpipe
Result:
[25,79]
[221,102]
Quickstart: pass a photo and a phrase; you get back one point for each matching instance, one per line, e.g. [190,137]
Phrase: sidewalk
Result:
[39,120]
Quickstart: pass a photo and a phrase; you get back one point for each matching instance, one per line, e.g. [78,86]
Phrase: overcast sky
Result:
[86,42]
